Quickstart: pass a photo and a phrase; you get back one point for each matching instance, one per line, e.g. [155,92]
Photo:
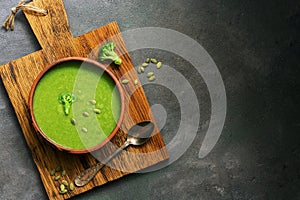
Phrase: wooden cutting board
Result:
[54,35]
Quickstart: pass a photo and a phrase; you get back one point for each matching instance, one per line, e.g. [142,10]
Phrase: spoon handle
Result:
[88,174]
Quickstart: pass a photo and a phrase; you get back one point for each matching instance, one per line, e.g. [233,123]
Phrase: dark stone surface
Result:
[255,45]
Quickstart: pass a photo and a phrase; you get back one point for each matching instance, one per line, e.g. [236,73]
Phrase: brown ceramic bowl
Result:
[57,114]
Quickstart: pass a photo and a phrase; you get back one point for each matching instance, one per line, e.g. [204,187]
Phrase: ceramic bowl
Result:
[63,125]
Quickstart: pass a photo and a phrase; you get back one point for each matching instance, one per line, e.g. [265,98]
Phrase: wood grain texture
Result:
[55,38]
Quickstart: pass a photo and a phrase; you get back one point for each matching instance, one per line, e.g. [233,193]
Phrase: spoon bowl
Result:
[140,133]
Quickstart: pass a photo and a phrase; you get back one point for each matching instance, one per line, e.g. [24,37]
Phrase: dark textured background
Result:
[255,45]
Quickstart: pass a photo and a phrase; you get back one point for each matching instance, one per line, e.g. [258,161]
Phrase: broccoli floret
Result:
[66,99]
[107,53]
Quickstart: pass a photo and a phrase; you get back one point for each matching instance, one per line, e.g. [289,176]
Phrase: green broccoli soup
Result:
[76,105]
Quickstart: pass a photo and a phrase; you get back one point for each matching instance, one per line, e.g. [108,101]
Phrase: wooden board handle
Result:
[53,30]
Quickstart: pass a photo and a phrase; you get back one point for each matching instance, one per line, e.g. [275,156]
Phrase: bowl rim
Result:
[52,142]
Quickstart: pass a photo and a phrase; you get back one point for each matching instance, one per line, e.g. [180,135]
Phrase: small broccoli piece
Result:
[66,99]
[107,53]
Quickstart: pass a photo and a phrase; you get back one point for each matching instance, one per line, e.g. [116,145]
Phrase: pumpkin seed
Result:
[58,168]
[84,130]
[149,74]
[158,65]
[125,81]
[153,60]
[65,183]
[93,102]
[142,69]
[52,172]
[139,70]
[144,64]
[152,78]
[56,178]
[147,60]
[86,114]
[97,111]
[63,173]
[72,186]
[73,121]
[62,187]
[63,191]
[135,82]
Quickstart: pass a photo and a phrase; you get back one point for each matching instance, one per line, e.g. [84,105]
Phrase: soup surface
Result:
[94,110]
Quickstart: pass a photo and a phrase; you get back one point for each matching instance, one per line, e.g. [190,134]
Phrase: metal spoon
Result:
[137,135]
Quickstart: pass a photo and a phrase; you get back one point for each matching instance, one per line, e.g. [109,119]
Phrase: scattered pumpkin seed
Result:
[149,74]
[93,102]
[153,60]
[65,183]
[158,65]
[73,121]
[86,114]
[136,82]
[144,64]
[139,70]
[142,69]
[63,191]
[147,60]
[71,186]
[125,81]
[58,168]
[84,130]
[152,78]
[52,172]
[56,178]
[62,187]
[97,111]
